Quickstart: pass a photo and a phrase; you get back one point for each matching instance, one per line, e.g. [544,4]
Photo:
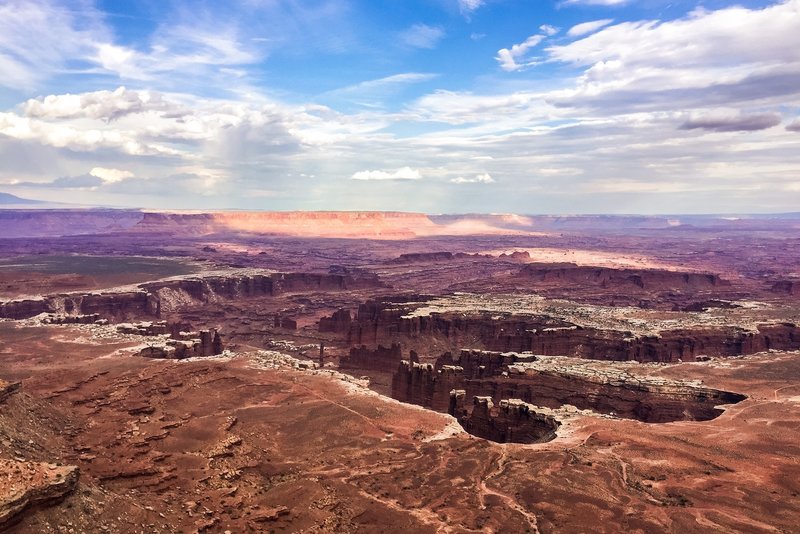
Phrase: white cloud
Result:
[794,126]
[676,65]
[39,37]
[514,58]
[104,105]
[548,30]
[422,36]
[468,6]
[110,175]
[484,178]
[404,173]
[588,27]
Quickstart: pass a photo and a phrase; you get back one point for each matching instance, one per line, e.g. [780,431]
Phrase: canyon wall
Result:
[386,323]
[554,386]
[154,298]
[647,279]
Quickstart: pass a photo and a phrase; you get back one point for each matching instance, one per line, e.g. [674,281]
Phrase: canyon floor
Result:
[472,374]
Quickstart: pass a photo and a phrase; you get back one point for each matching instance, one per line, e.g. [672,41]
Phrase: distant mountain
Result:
[7,198]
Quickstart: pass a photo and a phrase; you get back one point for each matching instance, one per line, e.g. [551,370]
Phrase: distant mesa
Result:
[8,198]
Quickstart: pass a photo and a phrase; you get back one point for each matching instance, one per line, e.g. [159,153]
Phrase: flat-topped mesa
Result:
[344,224]
[186,345]
[386,322]
[647,279]
[555,382]
[511,421]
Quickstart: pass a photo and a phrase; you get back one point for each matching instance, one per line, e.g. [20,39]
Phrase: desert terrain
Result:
[398,372]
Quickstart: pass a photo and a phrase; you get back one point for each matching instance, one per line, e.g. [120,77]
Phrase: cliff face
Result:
[648,279]
[51,223]
[553,385]
[512,421]
[154,298]
[381,359]
[384,322]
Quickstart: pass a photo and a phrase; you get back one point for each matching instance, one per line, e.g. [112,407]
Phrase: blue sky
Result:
[576,106]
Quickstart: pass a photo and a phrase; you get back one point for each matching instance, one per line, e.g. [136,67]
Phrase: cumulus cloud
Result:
[794,126]
[110,175]
[740,123]
[514,58]
[404,173]
[422,36]
[484,178]
[588,27]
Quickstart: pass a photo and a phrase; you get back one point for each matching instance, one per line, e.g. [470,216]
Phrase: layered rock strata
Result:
[555,382]
[388,322]
[648,279]
[151,299]
[512,421]
[27,484]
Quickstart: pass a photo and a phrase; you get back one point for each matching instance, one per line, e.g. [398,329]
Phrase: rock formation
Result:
[152,298]
[648,279]
[7,389]
[27,484]
[555,382]
[186,345]
[386,322]
[512,421]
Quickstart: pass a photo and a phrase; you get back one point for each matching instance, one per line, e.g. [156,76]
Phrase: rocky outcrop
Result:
[647,279]
[72,319]
[385,322]
[786,287]
[512,421]
[186,345]
[555,382]
[27,484]
[7,389]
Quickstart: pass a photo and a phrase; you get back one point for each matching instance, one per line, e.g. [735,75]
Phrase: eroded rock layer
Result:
[26,484]
[386,322]
[650,279]
[151,299]
[553,383]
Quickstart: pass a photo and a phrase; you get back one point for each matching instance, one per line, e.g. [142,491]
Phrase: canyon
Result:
[330,372]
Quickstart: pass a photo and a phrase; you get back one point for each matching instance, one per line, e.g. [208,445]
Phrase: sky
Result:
[439,106]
